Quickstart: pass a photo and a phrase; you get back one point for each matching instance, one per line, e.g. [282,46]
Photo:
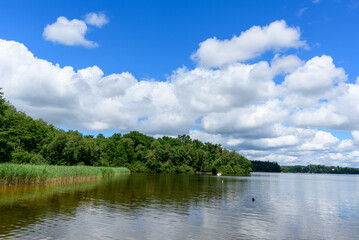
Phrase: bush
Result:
[20,156]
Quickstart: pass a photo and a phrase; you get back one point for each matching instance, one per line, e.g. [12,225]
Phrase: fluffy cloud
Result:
[221,90]
[239,105]
[285,64]
[356,136]
[317,76]
[246,121]
[249,44]
[116,84]
[86,98]
[70,33]
[96,19]
[321,141]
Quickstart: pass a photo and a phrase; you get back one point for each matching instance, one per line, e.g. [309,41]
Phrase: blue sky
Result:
[152,38]
[152,66]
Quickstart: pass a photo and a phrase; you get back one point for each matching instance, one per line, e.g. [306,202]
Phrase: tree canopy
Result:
[25,140]
[265,166]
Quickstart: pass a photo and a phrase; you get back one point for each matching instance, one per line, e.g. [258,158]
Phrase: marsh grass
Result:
[24,173]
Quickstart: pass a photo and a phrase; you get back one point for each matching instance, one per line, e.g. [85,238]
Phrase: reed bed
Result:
[25,173]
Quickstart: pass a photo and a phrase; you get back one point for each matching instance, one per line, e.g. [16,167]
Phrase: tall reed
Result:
[24,173]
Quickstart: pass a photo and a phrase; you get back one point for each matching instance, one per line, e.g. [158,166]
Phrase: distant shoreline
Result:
[319,169]
[266,166]
[310,173]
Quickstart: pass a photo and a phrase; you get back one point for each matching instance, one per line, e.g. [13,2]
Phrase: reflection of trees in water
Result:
[27,193]
[28,204]
[141,190]
[128,194]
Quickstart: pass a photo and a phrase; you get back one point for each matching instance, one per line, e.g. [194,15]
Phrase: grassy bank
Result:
[24,173]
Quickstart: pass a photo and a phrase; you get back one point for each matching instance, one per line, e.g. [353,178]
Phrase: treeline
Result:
[25,140]
[265,166]
[319,169]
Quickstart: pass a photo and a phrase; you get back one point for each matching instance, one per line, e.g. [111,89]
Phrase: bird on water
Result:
[253,199]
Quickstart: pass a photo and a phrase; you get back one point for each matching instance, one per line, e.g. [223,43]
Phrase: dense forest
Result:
[265,166]
[25,140]
[319,169]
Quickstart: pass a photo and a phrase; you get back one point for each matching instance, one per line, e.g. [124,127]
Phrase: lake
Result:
[168,206]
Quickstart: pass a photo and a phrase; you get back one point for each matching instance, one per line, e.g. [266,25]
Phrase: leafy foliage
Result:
[29,141]
[265,166]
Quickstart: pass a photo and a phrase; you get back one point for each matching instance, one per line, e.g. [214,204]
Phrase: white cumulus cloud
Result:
[96,19]
[68,32]
[249,44]
[72,32]
[317,76]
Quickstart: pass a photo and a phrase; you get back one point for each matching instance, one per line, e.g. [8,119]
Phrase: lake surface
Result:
[143,206]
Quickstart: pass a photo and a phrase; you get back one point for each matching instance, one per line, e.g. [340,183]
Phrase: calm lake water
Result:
[142,206]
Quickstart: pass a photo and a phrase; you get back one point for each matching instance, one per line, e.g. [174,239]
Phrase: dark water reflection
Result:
[141,206]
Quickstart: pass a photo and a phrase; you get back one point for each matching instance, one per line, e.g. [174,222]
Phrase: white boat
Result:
[219,174]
